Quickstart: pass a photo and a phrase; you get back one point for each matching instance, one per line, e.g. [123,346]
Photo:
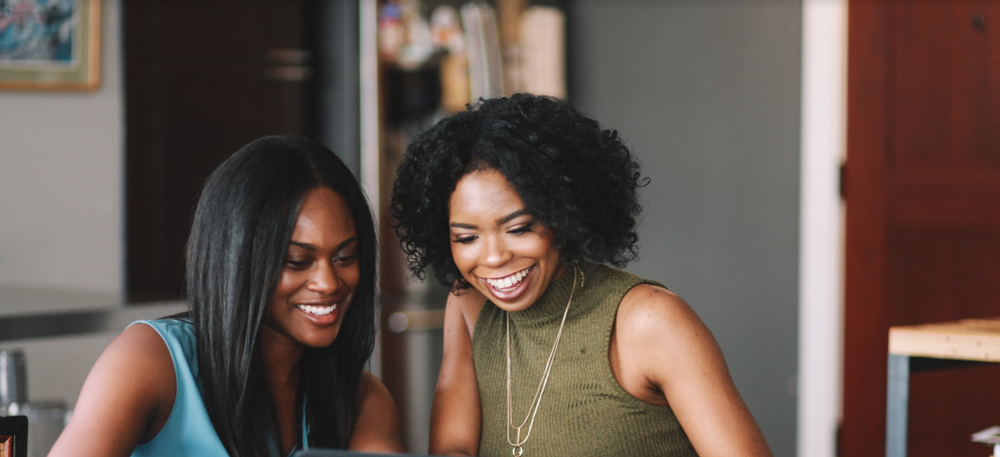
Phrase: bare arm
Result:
[456,418]
[663,345]
[125,400]
[377,426]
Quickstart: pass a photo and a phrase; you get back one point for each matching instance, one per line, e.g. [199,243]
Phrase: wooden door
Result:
[923,211]
[203,78]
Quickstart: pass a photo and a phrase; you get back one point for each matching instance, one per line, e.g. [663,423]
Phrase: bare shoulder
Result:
[372,389]
[455,416]
[140,350]
[129,394]
[649,308]
[655,328]
[377,426]
[145,339]
[664,345]
[465,304]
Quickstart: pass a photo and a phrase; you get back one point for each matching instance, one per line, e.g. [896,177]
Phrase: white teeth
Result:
[508,282]
[318,310]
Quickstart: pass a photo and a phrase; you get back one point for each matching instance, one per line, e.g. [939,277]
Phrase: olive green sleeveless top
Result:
[584,411]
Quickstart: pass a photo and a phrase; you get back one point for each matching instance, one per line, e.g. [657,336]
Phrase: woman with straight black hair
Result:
[270,358]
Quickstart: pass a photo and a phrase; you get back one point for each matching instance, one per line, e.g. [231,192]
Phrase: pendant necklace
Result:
[516,443]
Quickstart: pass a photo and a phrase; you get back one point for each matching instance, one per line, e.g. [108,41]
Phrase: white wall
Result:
[824,94]
[57,366]
[61,207]
[61,161]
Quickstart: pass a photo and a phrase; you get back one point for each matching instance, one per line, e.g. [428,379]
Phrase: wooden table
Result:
[927,347]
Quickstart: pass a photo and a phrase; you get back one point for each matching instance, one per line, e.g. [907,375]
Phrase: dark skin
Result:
[131,390]
[660,351]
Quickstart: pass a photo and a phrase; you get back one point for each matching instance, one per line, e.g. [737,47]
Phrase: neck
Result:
[281,365]
[281,361]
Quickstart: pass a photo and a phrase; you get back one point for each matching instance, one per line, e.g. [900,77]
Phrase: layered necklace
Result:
[529,420]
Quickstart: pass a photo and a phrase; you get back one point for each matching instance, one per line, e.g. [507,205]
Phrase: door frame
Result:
[822,249]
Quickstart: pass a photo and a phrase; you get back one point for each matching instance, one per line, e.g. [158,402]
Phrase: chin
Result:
[520,304]
[318,342]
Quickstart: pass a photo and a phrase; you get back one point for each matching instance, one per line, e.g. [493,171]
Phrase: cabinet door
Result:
[203,77]
[923,211]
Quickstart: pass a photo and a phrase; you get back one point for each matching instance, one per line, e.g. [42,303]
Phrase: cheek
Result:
[288,283]
[545,246]
[355,278]
[351,277]
[463,256]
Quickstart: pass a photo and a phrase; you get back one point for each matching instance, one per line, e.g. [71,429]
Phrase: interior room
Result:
[744,115]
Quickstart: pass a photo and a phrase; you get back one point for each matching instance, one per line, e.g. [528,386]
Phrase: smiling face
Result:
[320,274]
[498,246]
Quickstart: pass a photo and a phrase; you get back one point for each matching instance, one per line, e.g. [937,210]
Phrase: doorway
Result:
[202,78]
[923,211]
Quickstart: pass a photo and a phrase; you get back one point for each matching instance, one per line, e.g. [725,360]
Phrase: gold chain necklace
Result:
[516,443]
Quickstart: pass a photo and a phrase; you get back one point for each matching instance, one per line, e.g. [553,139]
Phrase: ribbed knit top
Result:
[584,411]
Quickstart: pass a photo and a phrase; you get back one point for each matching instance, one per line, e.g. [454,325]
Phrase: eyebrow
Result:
[502,220]
[312,247]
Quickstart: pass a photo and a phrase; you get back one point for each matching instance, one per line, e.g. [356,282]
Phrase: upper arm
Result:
[126,398]
[377,426]
[456,418]
[662,336]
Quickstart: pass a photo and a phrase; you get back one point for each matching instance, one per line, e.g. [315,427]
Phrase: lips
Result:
[322,313]
[509,282]
[507,287]
[317,310]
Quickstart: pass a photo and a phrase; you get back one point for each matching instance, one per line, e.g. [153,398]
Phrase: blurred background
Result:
[743,113]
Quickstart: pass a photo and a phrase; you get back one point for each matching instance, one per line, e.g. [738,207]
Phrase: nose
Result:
[325,279]
[495,252]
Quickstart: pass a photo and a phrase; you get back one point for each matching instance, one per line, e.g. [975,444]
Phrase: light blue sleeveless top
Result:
[188,430]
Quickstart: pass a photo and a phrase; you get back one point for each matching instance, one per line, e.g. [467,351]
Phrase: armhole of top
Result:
[177,384]
[609,374]
[479,318]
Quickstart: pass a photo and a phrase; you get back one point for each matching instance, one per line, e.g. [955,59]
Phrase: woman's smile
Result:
[508,287]
[498,245]
[320,313]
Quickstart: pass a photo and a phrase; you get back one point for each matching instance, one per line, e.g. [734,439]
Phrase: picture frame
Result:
[6,446]
[50,45]
[13,436]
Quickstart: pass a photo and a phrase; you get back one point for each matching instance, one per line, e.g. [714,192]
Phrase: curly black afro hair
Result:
[577,179]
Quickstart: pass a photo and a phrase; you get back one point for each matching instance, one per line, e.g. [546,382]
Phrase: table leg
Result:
[897,404]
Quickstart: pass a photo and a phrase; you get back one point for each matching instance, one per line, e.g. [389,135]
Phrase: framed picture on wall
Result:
[50,44]
[13,436]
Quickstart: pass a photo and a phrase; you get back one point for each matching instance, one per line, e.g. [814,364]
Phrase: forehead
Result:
[324,212]
[483,192]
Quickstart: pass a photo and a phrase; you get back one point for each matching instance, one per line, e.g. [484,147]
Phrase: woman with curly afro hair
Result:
[520,205]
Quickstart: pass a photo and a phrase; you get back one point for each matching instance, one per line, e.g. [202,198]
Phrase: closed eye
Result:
[346,258]
[526,228]
[464,239]
[298,264]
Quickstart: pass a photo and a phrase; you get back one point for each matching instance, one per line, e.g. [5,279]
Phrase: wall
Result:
[61,198]
[821,310]
[338,59]
[708,96]
[61,205]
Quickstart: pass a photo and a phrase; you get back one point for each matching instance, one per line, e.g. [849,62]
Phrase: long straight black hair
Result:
[235,254]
